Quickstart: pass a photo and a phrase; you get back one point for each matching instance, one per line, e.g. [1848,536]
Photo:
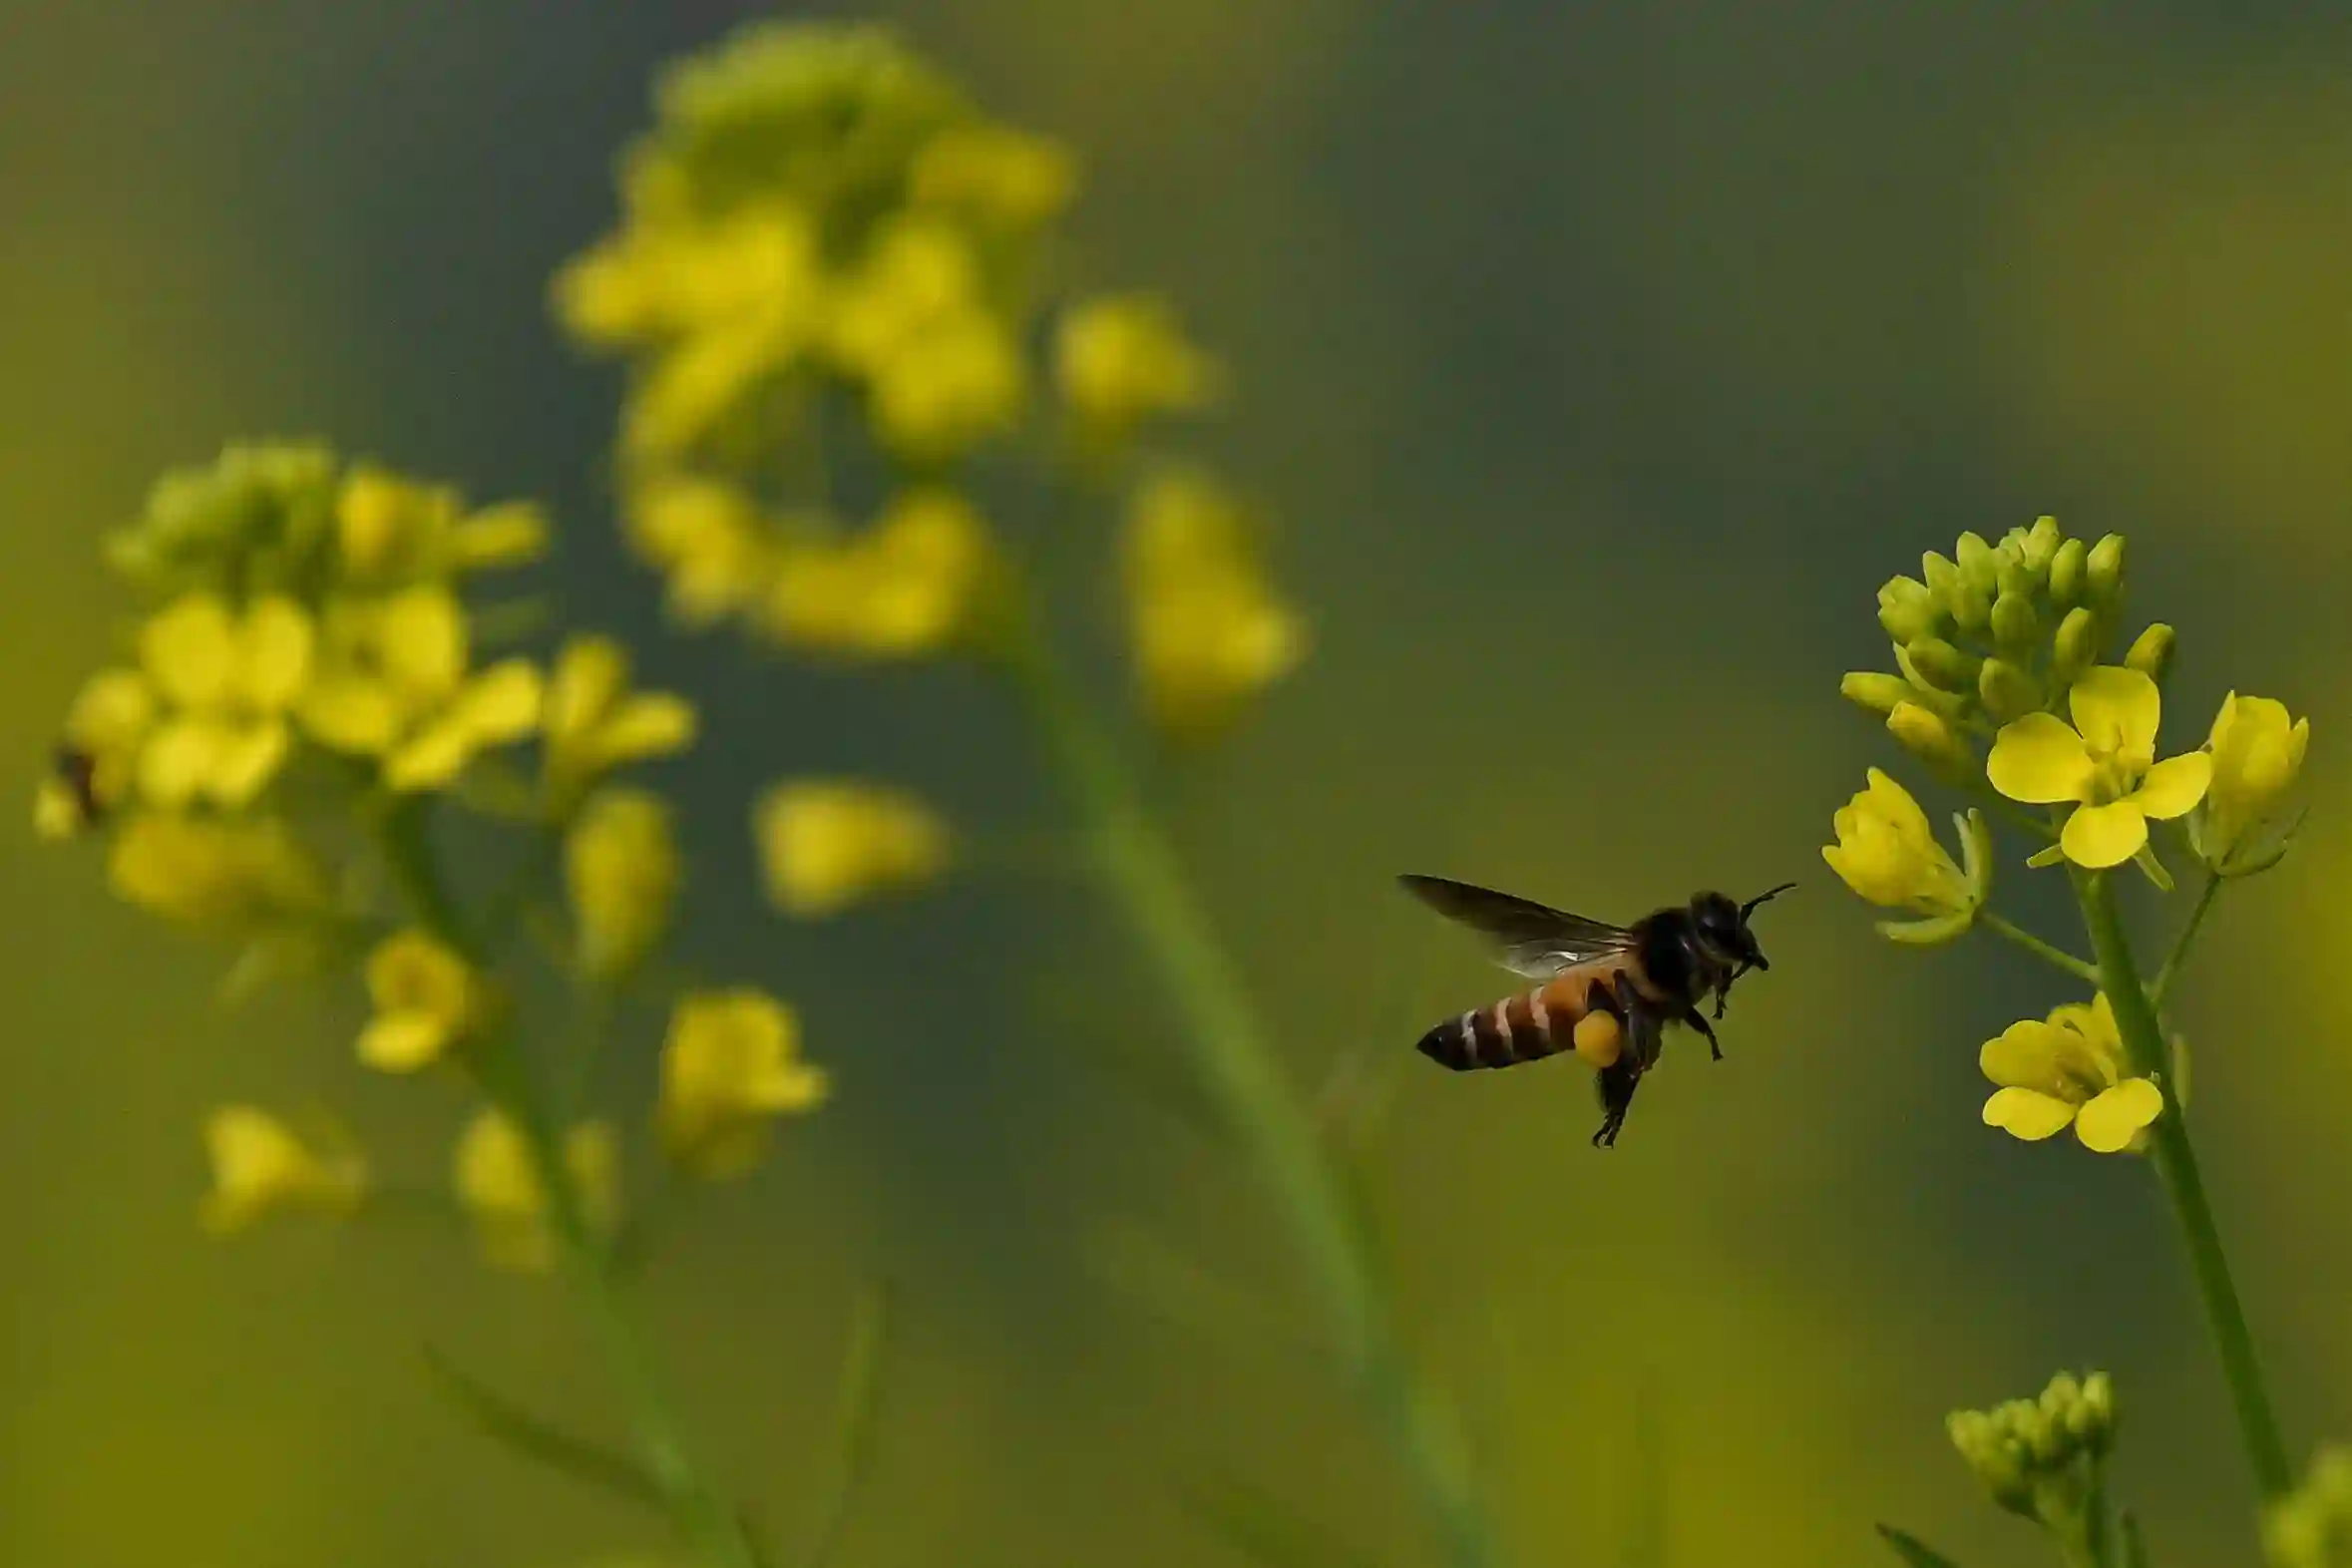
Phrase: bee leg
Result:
[1618,1083]
[1698,1020]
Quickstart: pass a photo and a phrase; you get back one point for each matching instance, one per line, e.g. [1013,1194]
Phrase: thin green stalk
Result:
[2034,944]
[2162,983]
[1142,876]
[2175,1161]
[505,1080]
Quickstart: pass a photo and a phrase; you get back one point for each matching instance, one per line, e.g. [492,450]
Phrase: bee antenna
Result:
[1749,907]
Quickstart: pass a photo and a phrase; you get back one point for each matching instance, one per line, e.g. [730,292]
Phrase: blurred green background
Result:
[1600,361]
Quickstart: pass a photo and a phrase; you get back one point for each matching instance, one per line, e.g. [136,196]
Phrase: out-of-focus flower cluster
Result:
[2311,1527]
[2046,1458]
[308,674]
[835,287]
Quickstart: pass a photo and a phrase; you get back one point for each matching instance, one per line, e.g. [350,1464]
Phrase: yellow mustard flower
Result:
[912,584]
[105,729]
[729,1067]
[2069,1069]
[227,677]
[260,1167]
[1209,630]
[426,999]
[621,863]
[395,684]
[500,1186]
[2105,761]
[707,539]
[918,272]
[596,723]
[754,271]
[2258,751]
[232,874]
[955,385]
[996,175]
[390,527]
[1886,853]
[1124,358]
[827,845]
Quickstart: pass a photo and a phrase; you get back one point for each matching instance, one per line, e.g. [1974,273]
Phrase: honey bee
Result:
[76,772]
[1607,993]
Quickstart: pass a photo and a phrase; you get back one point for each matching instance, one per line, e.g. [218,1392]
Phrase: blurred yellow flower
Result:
[950,389]
[2105,761]
[621,862]
[2257,752]
[596,723]
[2311,1526]
[1209,630]
[917,272]
[753,273]
[260,1167]
[498,1184]
[425,1001]
[707,539]
[912,584]
[227,679]
[393,529]
[827,845]
[109,723]
[1124,358]
[210,872]
[395,683]
[2069,1069]
[729,1067]
[995,174]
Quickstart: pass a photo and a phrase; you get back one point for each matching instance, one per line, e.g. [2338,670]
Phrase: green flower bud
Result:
[1943,704]
[2093,1418]
[2015,626]
[1980,564]
[2067,568]
[2007,690]
[1942,577]
[2152,653]
[2104,572]
[1930,740]
[1972,606]
[1994,1457]
[1909,609]
[2078,645]
[2017,580]
[2042,542]
[1946,666]
[1874,689]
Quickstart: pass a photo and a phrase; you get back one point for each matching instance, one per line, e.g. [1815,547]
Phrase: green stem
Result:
[1142,876]
[2034,944]
[2175,1161]
[504,1074]
[2162,983]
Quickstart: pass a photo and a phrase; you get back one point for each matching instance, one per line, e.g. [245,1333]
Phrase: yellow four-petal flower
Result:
[2067,1070]
[2106,762]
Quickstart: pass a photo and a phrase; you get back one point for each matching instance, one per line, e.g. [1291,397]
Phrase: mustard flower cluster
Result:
[2005,689]
[833,286]
[310,675]
[2045,1458]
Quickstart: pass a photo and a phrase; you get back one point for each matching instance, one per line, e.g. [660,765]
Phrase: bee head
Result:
[1723,928]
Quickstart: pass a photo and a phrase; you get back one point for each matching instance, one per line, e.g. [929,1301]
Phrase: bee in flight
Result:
[1605,992]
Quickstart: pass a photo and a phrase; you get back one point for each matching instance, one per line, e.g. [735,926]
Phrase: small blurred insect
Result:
[1606,992]
[77,771]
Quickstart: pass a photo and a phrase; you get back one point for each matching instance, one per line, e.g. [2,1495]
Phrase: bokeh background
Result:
[1599,361]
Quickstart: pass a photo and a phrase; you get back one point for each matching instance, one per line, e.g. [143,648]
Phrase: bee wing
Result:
[1531,938]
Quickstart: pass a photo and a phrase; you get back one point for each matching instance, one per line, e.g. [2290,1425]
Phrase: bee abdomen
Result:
[1517,1030]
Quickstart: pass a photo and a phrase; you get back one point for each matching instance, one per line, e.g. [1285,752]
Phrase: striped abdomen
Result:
[1527,1027]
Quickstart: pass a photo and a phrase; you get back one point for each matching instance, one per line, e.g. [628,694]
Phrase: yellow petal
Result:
[2024,1114]
[177,765]
[2173,786]
[2097,837]
[248,759]
[432,758]
[651,725]
[190,651]
[2029,1055]
[2040,761]
[588,678]
[503,703]
[403,1041]
[274,653]
[2117,707]
[1893,804]
[422,641]
[2108,1123]
[351,713]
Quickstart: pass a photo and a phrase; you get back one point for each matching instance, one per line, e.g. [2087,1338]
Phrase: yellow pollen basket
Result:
[1599,1040]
